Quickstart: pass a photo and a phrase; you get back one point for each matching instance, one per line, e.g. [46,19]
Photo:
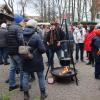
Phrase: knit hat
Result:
[18,19]
[32,23]
[3,25]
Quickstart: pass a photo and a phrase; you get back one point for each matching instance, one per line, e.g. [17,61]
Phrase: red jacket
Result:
[88,40]
[97,32]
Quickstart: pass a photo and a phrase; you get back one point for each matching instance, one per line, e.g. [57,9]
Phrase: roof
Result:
[5,9]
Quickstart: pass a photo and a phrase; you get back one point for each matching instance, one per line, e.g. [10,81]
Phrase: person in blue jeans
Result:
[15,63]
[35,64]
[13,42]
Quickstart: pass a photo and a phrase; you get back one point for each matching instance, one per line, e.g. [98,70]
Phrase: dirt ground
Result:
[88,88]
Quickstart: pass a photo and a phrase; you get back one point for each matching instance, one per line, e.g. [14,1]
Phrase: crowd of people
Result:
[16,40]
[88,40]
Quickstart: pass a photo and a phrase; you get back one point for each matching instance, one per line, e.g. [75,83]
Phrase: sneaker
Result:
[11,88]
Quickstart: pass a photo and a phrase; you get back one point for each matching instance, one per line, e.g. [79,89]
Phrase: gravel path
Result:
[88,88]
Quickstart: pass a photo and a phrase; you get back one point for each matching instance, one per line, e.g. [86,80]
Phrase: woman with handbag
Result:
[35,64]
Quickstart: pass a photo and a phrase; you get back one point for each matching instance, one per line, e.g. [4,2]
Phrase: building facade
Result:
[95,10]
[5,14]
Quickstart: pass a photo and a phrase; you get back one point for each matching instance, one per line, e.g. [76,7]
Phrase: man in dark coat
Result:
[54,36]
[3,44]
[13,36]
[35,64]
[96,51]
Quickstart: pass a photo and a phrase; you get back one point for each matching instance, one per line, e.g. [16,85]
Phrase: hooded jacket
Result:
[36,64]
[79,35]
[96,45]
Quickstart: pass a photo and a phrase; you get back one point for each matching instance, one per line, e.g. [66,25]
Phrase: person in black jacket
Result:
[96,51]
[3,44]
[13,37]
[54,36]
[35,64]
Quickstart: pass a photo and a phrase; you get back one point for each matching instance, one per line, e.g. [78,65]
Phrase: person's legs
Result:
[41,80]
[77,51]
[12,72]
[92,59]
[47,54]
[25,82]
[42,86]
[1,61]
[51,56]
[89,56]
[15,62]
[81,51]
[5,56]
[97,69]
[58,52]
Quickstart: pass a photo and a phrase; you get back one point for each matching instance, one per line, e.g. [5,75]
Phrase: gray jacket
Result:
[3,33]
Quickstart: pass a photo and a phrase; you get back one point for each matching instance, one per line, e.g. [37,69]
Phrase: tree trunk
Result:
[69,10]
[49,10]
[45,12]
[42,10]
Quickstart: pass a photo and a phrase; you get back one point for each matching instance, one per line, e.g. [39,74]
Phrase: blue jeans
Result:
[51,56]
[41,80]
[3,55]
[79,47]
[15,62]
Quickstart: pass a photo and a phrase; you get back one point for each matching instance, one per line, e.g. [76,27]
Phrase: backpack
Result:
[12,42]
[25,50]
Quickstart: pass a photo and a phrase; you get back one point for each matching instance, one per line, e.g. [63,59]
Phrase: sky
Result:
[29,11]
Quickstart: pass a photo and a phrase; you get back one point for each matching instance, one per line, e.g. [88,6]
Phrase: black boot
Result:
[43,95]
[26,95]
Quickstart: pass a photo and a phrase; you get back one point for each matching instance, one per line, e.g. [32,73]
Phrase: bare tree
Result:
[23,4]
[49,10]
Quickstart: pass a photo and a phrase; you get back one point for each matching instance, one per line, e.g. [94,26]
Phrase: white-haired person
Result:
[36,63]
[3,44]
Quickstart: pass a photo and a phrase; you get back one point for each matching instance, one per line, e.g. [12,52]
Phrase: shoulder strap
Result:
[30,39]
[26,42]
